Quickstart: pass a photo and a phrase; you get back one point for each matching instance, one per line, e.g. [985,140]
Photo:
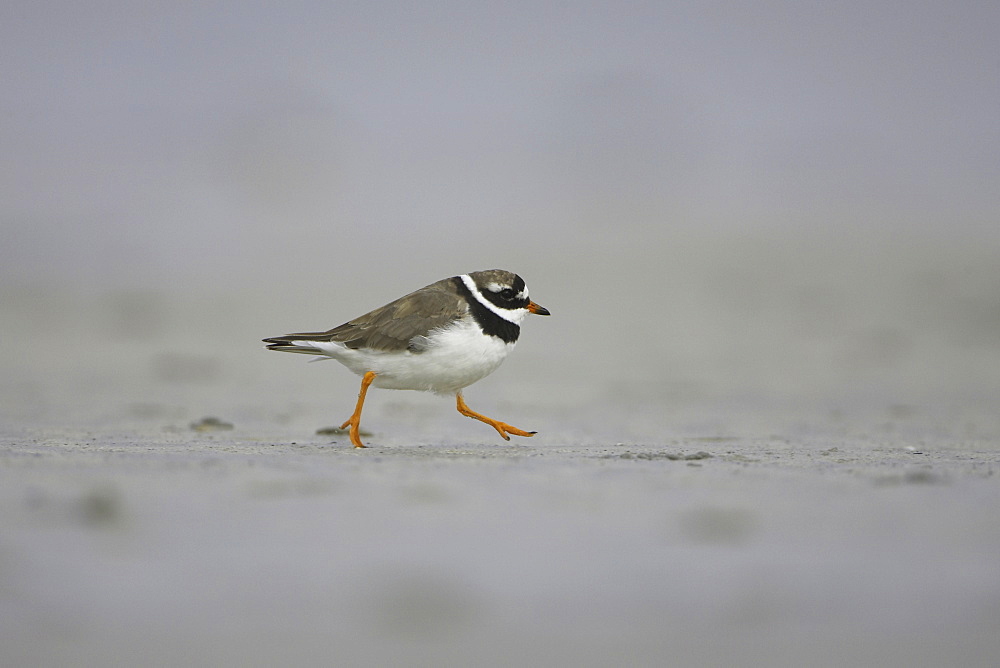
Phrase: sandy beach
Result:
[630,530]
[767,399]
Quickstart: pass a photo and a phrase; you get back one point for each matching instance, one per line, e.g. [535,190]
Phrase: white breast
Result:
[455,357]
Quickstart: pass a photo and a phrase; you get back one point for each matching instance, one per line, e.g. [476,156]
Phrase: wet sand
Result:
[169,546]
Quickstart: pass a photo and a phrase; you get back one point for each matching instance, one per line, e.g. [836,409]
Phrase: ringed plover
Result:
[441,338]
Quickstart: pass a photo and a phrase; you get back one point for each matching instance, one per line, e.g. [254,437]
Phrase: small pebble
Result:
[211,424]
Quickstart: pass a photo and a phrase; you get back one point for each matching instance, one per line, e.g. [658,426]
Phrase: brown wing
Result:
[393,326]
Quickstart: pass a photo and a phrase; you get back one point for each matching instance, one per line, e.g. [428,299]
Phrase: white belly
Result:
[455,358]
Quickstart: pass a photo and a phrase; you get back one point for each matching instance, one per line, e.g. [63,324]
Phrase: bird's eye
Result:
[507,293]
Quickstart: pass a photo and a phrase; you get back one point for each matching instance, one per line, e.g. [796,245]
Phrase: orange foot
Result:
[355,420]
[502,427]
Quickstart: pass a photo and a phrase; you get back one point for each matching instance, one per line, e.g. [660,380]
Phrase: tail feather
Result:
[292,343]
[304,336]
[286,348]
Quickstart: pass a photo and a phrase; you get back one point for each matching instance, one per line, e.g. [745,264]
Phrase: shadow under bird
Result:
[441,338]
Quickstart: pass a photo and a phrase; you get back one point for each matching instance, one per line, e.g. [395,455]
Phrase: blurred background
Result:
[771,204]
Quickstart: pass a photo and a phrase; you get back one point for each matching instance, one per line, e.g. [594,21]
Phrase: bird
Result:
[440,338]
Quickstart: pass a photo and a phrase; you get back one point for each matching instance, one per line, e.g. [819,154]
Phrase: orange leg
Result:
[355,420]
[501,427]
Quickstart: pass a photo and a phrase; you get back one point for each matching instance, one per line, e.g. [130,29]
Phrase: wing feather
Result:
[393,326]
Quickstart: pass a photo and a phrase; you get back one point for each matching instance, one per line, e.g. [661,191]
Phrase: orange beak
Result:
[537,310]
